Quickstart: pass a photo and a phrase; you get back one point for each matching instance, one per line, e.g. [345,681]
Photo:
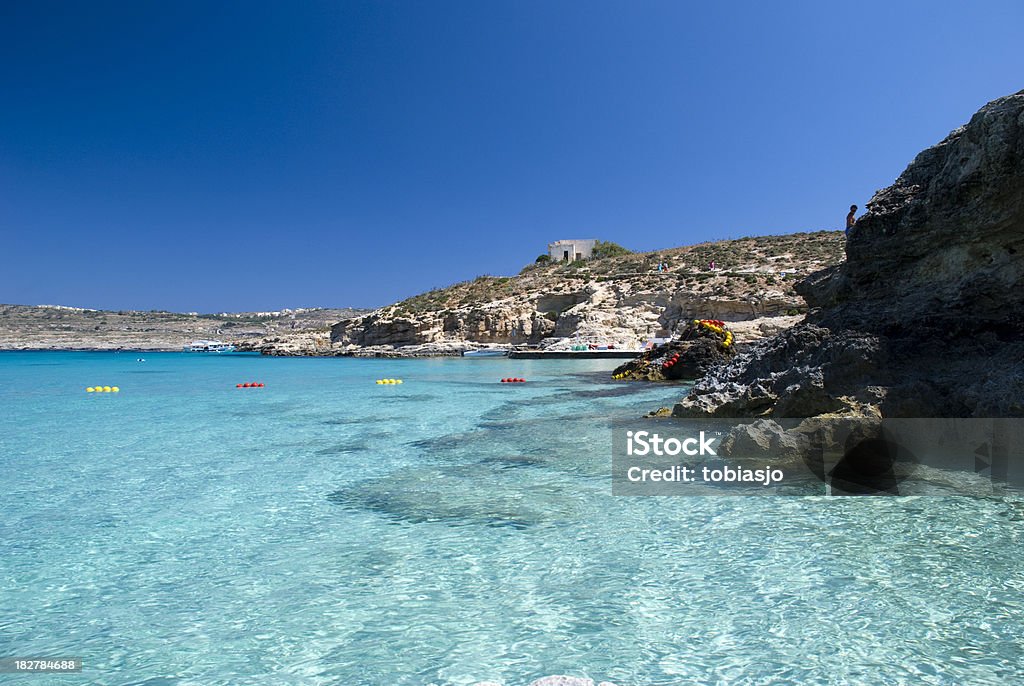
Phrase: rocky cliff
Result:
[926,315]
[617,300]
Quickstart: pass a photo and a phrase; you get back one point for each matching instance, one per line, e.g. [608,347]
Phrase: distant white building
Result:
[571,250]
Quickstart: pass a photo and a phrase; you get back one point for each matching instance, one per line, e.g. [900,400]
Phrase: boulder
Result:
[699,346]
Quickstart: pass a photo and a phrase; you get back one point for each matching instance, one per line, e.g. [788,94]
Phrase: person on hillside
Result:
[851,219]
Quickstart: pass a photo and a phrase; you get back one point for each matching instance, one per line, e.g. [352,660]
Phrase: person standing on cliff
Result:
[851,219]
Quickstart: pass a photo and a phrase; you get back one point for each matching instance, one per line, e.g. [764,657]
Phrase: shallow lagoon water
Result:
[327,530]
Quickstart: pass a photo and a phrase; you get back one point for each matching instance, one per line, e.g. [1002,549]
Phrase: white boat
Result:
[209,347]
[485,352]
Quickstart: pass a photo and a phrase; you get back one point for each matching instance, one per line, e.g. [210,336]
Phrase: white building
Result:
[571,250]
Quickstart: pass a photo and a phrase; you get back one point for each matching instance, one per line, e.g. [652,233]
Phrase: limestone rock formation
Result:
[620,301]
[926,316]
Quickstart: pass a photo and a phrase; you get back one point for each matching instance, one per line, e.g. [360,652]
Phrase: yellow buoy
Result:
[398,381]
[379,382]
[115,389]
[90,389]
[106,389]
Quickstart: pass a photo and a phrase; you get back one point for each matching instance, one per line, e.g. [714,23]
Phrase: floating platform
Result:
[574,354]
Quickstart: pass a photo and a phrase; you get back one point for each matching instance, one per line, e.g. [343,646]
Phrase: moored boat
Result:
[485,352]
[209,347]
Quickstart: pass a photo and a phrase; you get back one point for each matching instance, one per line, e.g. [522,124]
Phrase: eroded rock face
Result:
[802,372]
[617,313]
[620,302]
[926,316]
[507,323]
[945,242]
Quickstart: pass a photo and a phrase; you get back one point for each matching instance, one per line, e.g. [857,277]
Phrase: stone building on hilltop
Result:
[571,250]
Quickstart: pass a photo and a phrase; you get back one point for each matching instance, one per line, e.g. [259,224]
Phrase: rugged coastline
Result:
[55,327]
[926,315]
[923,317]
[620,301]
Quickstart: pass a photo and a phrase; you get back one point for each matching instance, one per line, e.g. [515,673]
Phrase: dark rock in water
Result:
[926,316]
[767,438]
[699,346]
[793,375]
[696,358]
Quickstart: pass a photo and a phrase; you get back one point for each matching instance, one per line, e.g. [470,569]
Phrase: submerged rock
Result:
[559,680]
[454,496]
[926,316]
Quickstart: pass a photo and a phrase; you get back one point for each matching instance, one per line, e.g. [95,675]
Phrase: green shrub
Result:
[608,249]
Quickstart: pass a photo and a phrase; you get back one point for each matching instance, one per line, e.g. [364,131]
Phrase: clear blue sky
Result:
[250,155]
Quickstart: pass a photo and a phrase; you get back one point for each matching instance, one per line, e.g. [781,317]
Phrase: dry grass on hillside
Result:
[744,265]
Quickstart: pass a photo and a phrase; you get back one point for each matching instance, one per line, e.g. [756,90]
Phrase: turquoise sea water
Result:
[327,530]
